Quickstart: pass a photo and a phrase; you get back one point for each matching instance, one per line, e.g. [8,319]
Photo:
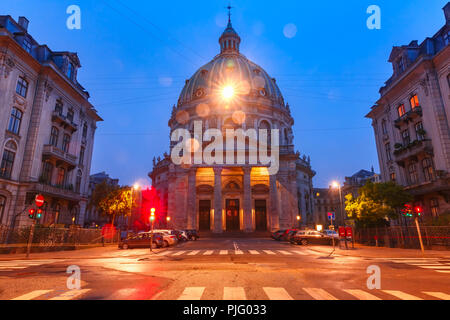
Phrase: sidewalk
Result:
[381,252]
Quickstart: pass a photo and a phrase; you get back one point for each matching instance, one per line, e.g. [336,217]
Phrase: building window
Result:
[22,87]
[428,171]
[66,143]
[393,177]
[15,120]
[85,128]
[412,170]
[78,181]
[2,207]
[59,107]
[383,126]
[420,133]
[434,204]
[401,65]
[54,137]
[61,178]
[70,115]
[47,171]
[7,164]
[405,137]
[447,38]
[82,151]
[414,101]
[26,44]
[70,70]
[388,151]
[401,110]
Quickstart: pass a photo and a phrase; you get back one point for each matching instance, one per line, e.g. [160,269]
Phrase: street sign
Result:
[331,216]
[39,200]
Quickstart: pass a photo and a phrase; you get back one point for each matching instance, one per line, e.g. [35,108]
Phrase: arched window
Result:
[7,164]
[47,172]
[66,142]
[2,208]
[15,120]
[61,178]
[428,171]
[85,128]
[54,134]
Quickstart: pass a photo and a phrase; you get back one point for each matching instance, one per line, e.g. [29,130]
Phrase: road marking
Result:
[223,252]
[269,252]
[438,295]
[178,253]
[426,264]
[193,253]
[277,293]
[72,294]
[164,253]
[32,295]
[208,253]
[192,293]
[436,267]
[284,252]
[402,295]
[361,295]
[315,252]
[253,252]
[234,293]
[319,294]
[442,271]
[238,251]
[300,252]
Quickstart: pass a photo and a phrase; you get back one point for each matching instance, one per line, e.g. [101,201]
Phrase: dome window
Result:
[200,92]
[263,92]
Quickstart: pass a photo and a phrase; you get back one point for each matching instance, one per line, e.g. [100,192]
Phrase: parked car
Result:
[141,240]
[192,234]
[304,237]
[168,238]
[277,234]
[181,235]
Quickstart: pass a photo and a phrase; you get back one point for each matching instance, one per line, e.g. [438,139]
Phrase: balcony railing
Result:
[413,149]
[51,151]
[64,121]
[408,117]
[65,191]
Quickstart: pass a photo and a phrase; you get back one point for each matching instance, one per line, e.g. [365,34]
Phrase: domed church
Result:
[232,92]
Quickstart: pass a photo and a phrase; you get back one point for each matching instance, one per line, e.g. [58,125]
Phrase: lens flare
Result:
[228,92]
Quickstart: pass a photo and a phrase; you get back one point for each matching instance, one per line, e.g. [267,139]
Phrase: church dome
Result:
[231,68]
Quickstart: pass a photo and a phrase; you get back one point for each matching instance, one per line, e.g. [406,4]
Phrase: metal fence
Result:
[51,236]
[404,237]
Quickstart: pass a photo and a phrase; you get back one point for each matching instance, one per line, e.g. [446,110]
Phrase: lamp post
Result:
[336,185]
[152,220]
[298,220]
[168,221]
[135,187]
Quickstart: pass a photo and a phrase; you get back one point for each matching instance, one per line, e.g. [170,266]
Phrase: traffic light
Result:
[418,211]
[152,214]
[407,211]
[39,214]
[31,213]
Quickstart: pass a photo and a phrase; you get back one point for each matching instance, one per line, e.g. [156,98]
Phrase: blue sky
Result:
[136,55]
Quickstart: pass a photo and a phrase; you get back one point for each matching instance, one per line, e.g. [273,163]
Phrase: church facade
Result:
[230,93]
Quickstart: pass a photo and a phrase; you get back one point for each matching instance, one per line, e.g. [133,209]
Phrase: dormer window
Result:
[400,65]
[26,44]
[70,70]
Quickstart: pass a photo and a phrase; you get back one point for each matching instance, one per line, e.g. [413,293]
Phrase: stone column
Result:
[248,221]
[171,203]
[274,216]
[294,198]
[192,199]
[218,200]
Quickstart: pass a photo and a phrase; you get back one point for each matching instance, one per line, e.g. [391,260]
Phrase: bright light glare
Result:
[136,186]
[228,92]
[335,185]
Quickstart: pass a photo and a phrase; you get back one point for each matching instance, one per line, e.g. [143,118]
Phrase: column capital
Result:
[217,170]
[247,170]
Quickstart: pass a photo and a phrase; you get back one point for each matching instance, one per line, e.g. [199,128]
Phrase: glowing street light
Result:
[337,185]
[228,92]
[152,220]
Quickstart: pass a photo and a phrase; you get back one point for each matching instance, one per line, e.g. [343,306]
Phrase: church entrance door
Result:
[204,217]
[260,215]
[232,215]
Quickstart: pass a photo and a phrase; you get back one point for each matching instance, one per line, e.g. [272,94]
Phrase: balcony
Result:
[65,192]
[61,157]
[64,121]
[408,117]
[412,150]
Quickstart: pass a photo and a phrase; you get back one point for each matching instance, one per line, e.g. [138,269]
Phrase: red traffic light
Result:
[418,210]
[39,214]
[31,213]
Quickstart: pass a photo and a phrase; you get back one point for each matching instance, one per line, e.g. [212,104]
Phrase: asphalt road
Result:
[217,269]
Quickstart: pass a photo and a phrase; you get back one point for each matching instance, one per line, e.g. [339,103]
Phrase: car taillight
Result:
[173,237]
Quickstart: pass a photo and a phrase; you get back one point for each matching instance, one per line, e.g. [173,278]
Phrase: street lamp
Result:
[298,220]
[134,188]
[336,185]
[152,220]
[168,221]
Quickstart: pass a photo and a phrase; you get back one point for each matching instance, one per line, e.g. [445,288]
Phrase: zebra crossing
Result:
[263,293]
[435,264]
[280,293]
[22,264]
[209,252]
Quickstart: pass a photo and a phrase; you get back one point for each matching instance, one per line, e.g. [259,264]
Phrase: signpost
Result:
[39,201]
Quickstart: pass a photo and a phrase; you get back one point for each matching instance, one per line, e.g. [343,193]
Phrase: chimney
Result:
[447,12]
[23,22]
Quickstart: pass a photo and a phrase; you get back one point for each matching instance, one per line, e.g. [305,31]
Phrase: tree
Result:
[111,200]
[376,203]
